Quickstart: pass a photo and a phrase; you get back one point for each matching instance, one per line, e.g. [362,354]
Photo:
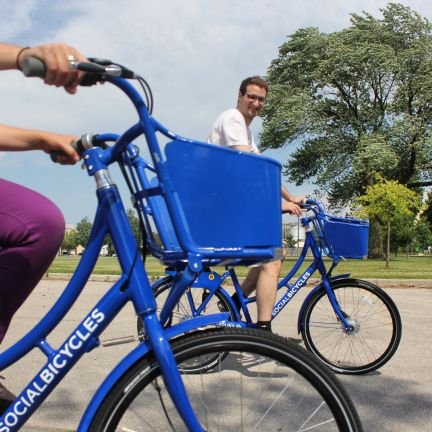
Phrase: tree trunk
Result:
[375,239]
[388,246]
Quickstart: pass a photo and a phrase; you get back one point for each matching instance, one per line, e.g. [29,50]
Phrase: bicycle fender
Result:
[314,290]
[142,350]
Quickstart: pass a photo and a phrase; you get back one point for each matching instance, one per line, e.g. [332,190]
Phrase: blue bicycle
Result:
[264,383]
[351,325]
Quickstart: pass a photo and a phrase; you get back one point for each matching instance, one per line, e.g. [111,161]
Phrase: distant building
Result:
[296,230]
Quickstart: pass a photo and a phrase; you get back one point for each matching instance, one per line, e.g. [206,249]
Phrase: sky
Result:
[193,53]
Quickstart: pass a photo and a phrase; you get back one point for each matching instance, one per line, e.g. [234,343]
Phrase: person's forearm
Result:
[287,195]
[8,56]
[17,139]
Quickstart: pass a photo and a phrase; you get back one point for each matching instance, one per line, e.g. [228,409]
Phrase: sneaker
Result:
[221,307]
[6,398]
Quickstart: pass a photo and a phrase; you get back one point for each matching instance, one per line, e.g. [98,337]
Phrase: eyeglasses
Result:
[254,98]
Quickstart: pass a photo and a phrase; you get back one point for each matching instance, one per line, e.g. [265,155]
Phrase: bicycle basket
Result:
[224,199]
[342,237]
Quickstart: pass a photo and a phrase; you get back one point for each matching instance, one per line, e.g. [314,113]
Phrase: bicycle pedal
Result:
[119,341]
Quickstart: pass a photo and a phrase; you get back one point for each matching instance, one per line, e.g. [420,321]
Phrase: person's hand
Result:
[298,199]
[51,142]
[291,208]
[55,57]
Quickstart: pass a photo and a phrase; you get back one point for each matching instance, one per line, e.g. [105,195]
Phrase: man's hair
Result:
[253,80]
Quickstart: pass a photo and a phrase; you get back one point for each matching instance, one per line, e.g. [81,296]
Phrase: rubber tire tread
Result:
[251,340]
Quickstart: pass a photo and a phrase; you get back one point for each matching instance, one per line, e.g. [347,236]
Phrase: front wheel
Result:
[264,384]
[375,333]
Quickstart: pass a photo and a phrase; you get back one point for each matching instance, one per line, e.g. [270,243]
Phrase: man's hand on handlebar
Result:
[291,208]
[56,58]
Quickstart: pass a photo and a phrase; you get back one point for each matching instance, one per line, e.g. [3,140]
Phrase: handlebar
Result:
[313,205]
[96,69]
[86,142]
[103,70]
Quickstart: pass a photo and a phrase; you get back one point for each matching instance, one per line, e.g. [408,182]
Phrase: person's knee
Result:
[273,267]
[48,227]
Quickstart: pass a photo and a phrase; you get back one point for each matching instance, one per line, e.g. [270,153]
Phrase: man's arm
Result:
[292,198]
[244,148]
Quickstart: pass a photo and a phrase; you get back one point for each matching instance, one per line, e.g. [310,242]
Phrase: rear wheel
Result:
[375,333]
[264,384]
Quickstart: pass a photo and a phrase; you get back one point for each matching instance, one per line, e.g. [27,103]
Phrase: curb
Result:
[383,283]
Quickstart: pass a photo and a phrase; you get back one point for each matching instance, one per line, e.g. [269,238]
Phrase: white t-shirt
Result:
[230,129]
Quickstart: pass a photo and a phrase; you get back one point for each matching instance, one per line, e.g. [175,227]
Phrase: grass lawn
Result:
[415,267]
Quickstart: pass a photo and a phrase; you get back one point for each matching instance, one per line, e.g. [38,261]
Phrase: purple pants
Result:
[31,232]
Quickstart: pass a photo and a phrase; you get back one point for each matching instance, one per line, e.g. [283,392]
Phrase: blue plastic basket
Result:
[221,205]
[227,199]
[343,237]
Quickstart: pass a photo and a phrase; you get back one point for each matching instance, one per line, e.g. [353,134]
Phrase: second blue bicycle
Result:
[351,325]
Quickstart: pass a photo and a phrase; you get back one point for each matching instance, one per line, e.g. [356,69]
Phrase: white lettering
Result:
[97,316]
[66,350]
[290,294]
[83,337]
[11,421]
[47,376]
[57,364]
[17,411]
[90,325]
[31,394]
[71,342]
[38,387]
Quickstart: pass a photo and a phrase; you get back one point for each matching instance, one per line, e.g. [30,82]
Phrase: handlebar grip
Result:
[76,145]
[33,67]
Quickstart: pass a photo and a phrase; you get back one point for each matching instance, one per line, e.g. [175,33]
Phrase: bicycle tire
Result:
[377,327]
[183,311]
[265,384]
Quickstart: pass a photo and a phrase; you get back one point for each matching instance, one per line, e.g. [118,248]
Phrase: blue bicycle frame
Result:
[311,244]
[133,285]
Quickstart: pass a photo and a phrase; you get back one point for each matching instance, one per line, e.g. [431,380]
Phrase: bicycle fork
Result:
[166,360]
[341,315]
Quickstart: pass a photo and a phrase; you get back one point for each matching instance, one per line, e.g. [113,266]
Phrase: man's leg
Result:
[266,288]
[264,279]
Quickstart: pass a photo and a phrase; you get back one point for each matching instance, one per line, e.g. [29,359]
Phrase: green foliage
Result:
[391,204]
[403,232]
[388,200]
[422,235]
[354,103]
[70,240]
[134,223]
[83,229]
[290,241]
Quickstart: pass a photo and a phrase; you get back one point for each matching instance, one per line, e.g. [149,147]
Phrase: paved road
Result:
[397,398]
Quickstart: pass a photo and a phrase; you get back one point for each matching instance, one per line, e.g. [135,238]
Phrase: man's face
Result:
[251,103]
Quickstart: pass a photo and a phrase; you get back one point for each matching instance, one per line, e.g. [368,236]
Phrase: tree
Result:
[388,201]
[354,103]
[83,229]
[70,240]
[403,232]
[422,234]
[290,241]
[135,225]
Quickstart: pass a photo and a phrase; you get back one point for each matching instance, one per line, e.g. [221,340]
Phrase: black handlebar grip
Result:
[77,146]
[33,67]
